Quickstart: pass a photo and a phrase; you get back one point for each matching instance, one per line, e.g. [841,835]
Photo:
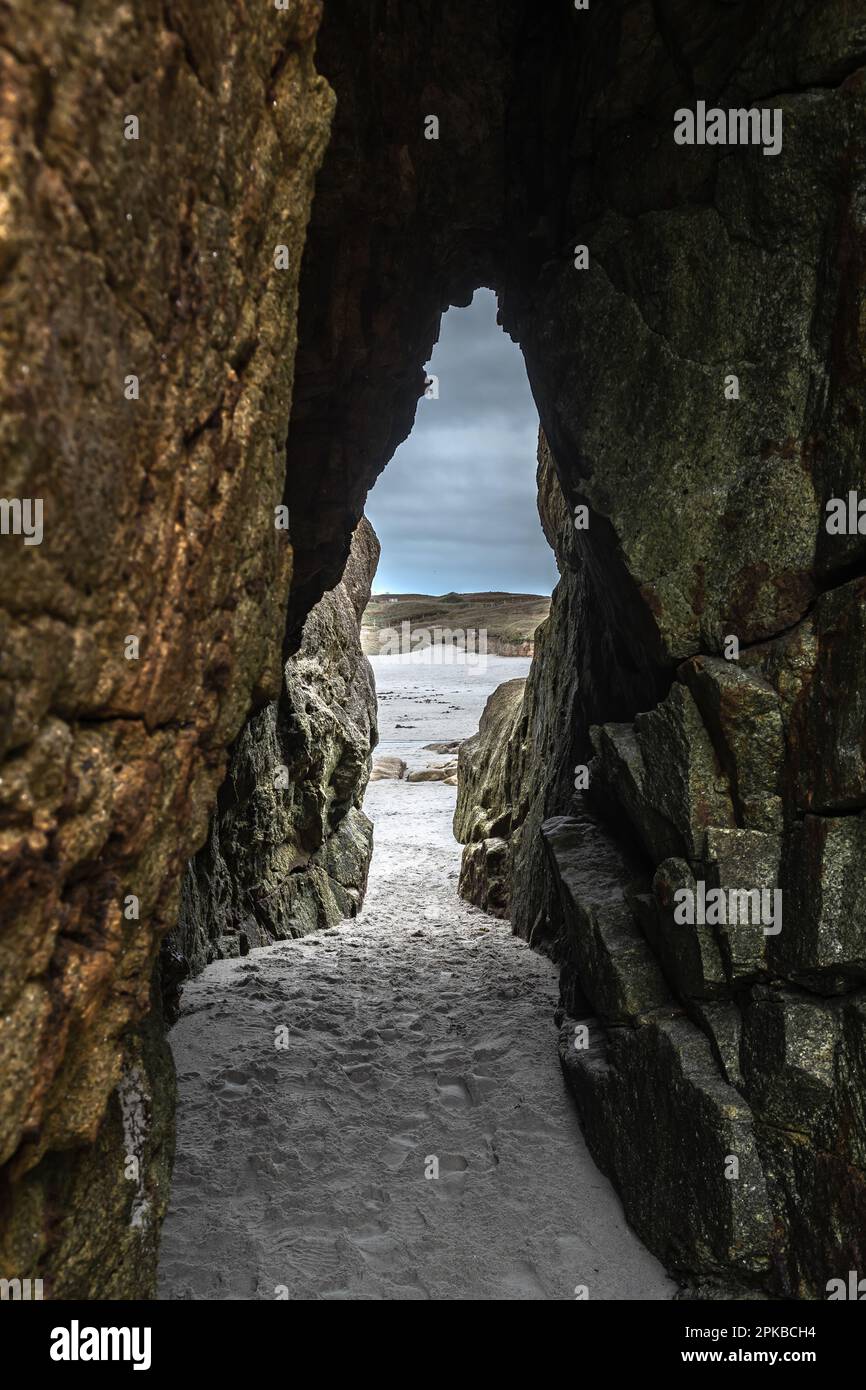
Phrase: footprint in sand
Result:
[231,1086]
[397,1150]
[361,1073]
[521,1281]
[454,1093]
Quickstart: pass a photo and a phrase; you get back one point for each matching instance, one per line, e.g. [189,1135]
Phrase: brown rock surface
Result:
[154,258]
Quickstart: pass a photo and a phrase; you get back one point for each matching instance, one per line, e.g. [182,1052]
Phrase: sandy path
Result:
[423,1030]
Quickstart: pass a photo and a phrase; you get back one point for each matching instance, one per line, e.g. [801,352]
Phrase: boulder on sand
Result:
[389,768]
[447,772]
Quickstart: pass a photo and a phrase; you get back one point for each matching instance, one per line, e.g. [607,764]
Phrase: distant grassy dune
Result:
[509,619]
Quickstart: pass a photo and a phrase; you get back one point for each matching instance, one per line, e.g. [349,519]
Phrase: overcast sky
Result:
[455,508]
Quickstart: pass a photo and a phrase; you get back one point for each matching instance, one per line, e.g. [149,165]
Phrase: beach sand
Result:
[421,1031]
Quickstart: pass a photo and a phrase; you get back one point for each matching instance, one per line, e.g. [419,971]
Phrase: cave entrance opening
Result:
[464,579]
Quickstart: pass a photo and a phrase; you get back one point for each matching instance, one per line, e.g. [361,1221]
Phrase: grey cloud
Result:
[455,508]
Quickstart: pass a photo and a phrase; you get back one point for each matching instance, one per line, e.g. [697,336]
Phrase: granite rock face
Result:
[732,1045]
[487,801]
[769,991]
[716,1058]
[153,158]
[289,846]
[700,377]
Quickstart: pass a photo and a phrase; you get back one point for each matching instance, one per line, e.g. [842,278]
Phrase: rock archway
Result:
[705,498]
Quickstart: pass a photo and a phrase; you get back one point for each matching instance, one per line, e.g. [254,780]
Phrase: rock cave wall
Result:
[151,258]
[289,847]
[705,520]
